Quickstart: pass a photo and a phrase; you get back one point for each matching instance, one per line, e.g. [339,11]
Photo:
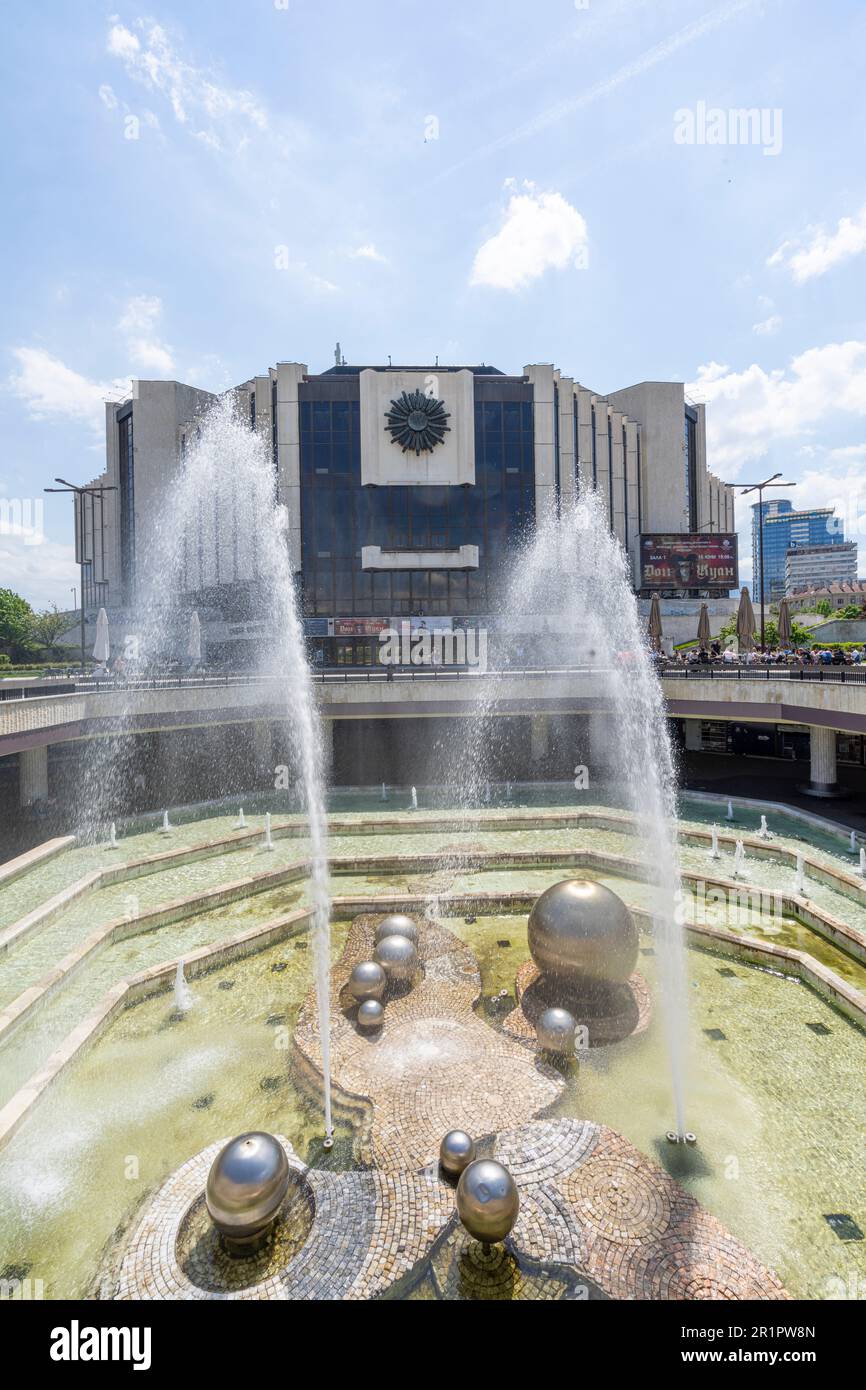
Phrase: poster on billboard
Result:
[691,561]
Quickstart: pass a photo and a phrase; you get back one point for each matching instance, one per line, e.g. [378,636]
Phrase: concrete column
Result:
[566,436]
[693,738]
[539,738]
[602,456]
[822,747]
[543,409]
[583,406]
[617,472]
[33,775]
[289,376]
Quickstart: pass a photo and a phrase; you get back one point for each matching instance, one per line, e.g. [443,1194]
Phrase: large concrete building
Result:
[816,566]
[405,485]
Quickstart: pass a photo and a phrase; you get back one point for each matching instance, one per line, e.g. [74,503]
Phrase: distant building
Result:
[817,566]
[837,595]
[784,530]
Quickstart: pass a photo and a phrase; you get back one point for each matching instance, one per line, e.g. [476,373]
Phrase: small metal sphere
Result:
[487,1200]
[555,1031]
[456,1152]
[245,1188]
[581,931]
[370,1014]
[397,924]
[397,957]
[367,981]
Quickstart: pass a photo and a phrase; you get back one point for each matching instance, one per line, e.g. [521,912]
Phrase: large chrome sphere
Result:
[370,1014]
[487,1200]
[367,981]
[245,1188]
[555,1031]
[397,957]
[397,924]
[456,1152]
[581,931]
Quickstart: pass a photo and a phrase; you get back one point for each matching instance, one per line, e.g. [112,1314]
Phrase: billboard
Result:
[692,561]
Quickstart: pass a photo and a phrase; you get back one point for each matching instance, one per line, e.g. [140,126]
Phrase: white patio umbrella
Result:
[102,645]
[193,646]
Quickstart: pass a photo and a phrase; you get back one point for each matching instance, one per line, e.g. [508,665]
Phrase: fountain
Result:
[862,862]
[568,586]
[166,827]
[268,840]
[852,843]
[240,823]
[228,474]
[112,837]
[714,850]
[414,805]
[800,873]
[729,814]
[383,796]
[739,859]
[764,833]
[182,992]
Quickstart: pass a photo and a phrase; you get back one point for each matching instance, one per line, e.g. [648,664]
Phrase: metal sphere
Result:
[487,1200]
[581,931]
[367,981]
[456,1152]
[370,1014]
[245,1188]
[397,924]
[555,1031]
[397,957]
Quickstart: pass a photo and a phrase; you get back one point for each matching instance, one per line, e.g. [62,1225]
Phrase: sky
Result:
[200,190]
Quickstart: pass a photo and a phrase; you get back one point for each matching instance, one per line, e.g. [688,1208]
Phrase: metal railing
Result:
[821,675]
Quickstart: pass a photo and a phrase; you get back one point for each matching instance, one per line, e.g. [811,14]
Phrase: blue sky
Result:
[200,190]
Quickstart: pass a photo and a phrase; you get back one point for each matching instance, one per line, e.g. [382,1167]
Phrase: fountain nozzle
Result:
[687,1138]
[328,1141]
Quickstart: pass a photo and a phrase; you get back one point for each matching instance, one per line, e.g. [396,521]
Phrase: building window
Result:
[691,467]
[126,474]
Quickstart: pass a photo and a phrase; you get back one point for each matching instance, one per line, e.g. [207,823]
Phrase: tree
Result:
[851,610]
[16,623]
[48,625]
[823,607]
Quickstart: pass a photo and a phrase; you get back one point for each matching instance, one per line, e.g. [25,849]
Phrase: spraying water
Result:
[112,837]
[568,594]
[729,814]
[240,823]
[852,844]
[800,874]
[414,805]
[167,826]
[862,862]
[268,840]
[182,991]
[222,529]
[714,851]
[764,832]
[739,859]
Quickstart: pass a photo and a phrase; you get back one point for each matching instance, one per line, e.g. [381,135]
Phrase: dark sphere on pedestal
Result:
[456,1152]
[487,1200]
[367,981]
[581,932]
[396,924]
[245,1189]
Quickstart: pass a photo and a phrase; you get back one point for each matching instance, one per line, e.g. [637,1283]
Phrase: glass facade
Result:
[126,475]
[339,516]
[690,458]
[784,530]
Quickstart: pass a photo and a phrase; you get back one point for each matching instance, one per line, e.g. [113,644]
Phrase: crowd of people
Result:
[715,655]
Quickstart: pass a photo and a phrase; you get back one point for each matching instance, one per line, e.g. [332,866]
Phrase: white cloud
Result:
[749,410]
[218,115]
[43,574]
[808,259]
[367,252]
[767,326]
[138,321]
[50,388]
[108,97]
[540,231]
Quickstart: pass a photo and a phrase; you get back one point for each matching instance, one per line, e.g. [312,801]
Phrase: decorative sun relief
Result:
[417,421]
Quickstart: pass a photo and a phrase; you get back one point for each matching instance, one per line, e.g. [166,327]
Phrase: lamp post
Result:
[759,488]
[80,494]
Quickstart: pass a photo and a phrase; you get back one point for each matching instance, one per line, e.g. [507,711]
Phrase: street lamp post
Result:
[80,494]
[759,488]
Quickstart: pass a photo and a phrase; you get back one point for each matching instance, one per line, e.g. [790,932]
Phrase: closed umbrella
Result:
[655,623]
[746,623]
[784,624]
[704,636]
[102,646]
[193,646]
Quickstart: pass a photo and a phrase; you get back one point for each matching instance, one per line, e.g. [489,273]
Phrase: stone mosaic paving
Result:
[623,1010]
[597,1218]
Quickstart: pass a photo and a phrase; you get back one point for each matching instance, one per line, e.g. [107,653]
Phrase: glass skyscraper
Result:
[784,530]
